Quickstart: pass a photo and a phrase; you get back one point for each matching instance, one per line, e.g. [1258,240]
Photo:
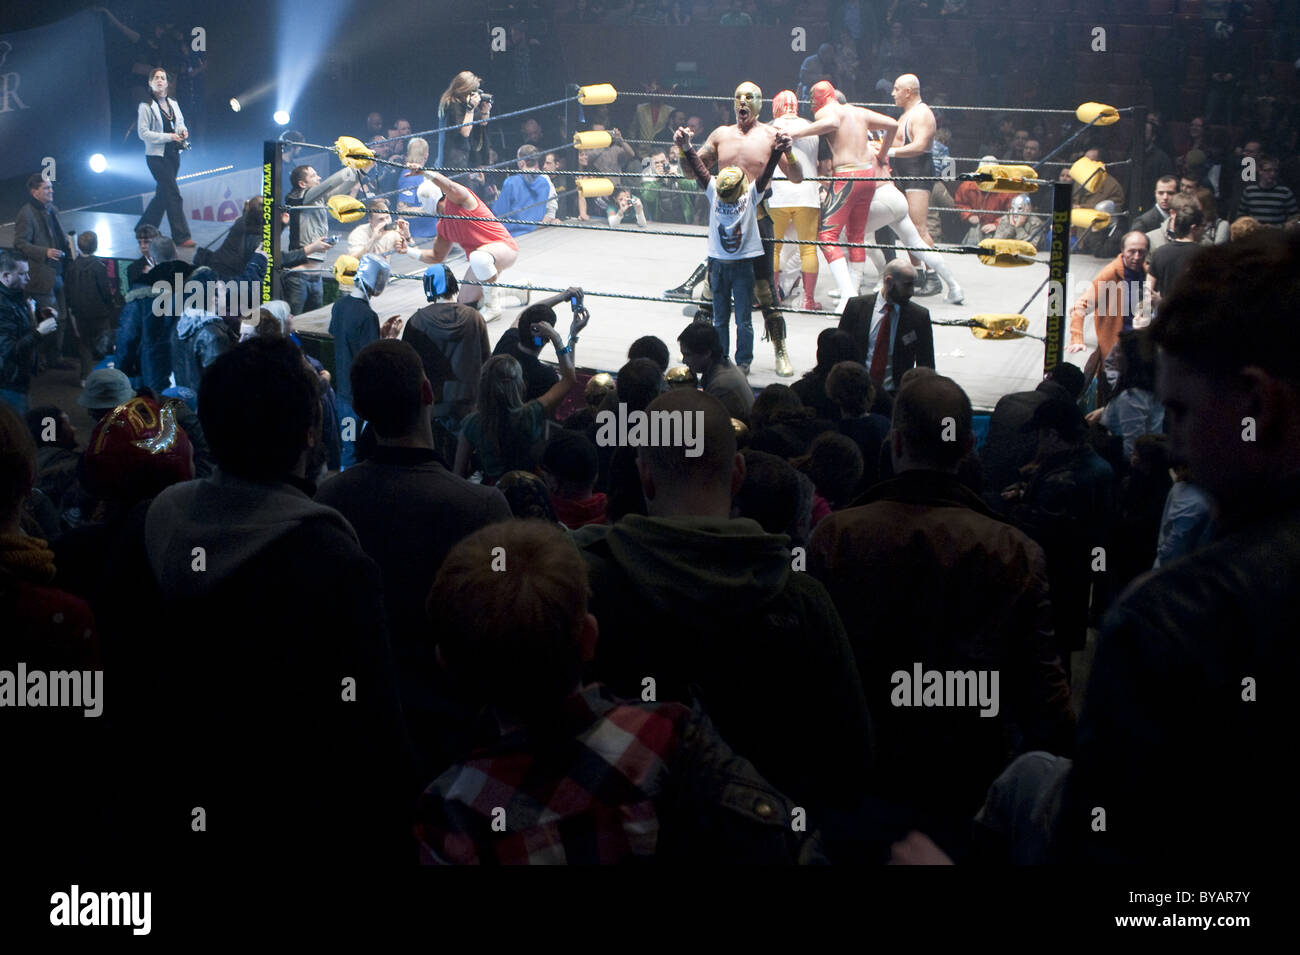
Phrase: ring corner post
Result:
[1059,270]
[271,219]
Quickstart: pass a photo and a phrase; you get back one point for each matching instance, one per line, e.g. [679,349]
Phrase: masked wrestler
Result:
[848,200]
[747,145]
[797,204]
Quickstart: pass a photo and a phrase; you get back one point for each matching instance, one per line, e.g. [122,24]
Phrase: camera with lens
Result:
[185,143]
[485,98]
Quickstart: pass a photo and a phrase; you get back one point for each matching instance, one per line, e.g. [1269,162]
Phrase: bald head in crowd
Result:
[898,280]
[677,484]
[931,428]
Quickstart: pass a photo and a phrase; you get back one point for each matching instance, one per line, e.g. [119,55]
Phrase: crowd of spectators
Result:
[461,626]
[619,637]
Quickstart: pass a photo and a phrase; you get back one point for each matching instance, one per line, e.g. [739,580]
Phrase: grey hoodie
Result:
[233,520]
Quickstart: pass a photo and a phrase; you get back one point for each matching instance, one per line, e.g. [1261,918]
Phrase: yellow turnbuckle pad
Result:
[1008,253]
[999,326]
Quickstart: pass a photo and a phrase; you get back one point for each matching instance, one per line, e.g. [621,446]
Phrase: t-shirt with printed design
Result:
[733,226]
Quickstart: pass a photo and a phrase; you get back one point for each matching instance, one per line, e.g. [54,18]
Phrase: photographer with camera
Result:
[625,205]
[465,144]
[382,235]
[161,127]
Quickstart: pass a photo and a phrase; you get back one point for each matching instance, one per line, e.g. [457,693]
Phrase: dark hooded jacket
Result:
[710,609]
[274,712]
[144,350]
[18,340]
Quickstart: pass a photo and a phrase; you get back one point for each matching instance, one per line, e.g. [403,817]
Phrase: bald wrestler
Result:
[912,157]
[488,246]
[847,205]
[748,144]
[796,204]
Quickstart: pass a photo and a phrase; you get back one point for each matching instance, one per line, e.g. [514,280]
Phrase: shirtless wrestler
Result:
[847,206]
[798,205]
[748,144]
[889,210]
[912,157]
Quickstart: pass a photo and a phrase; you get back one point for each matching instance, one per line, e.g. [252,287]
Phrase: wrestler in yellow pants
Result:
[806,221]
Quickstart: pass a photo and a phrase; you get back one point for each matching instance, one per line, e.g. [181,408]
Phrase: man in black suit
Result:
[911,341]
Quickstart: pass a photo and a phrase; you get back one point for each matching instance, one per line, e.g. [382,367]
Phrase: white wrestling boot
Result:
[488,306]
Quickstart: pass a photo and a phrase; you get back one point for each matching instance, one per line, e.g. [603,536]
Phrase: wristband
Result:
[566,350]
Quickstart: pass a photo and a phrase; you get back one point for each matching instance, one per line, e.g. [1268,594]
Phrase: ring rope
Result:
[975,109]
[633,297]
[477,122]
[954,250]
[975,159]
[963,177]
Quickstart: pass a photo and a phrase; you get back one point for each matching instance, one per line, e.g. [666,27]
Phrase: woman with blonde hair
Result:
[409,198]
[505,431]
[461,142]
[1243,226]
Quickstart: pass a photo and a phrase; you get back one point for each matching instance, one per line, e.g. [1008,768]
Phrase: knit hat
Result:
[106,388]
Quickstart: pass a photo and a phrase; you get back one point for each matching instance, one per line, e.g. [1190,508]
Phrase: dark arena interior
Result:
[648,432]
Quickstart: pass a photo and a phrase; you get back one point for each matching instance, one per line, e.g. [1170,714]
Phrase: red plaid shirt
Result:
[584,794]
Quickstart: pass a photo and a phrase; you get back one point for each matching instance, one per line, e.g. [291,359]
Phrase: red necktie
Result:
[880,357]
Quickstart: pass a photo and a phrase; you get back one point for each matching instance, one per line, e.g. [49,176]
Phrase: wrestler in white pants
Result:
[889,208]
[486,263]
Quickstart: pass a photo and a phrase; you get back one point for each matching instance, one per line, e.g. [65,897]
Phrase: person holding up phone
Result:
[527,339]
[507,429]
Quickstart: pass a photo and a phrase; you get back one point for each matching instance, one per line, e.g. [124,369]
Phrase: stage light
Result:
[234,105]
[281,117]
[98,163]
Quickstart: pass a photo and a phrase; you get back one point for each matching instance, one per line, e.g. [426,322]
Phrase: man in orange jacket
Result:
[1115,295]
